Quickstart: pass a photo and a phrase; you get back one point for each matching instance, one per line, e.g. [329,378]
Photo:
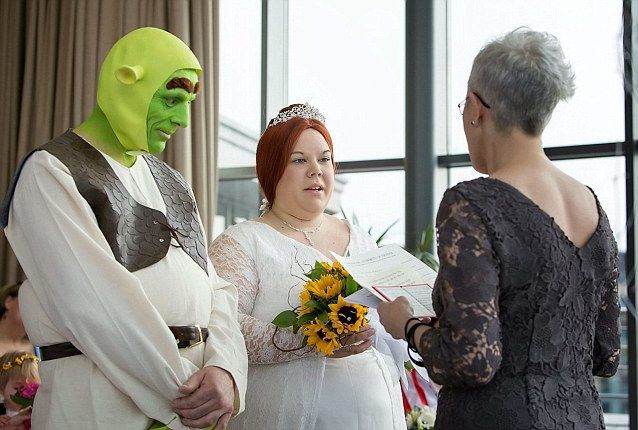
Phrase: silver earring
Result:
[473,122]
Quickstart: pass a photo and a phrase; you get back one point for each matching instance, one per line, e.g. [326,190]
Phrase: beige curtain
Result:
[50,54]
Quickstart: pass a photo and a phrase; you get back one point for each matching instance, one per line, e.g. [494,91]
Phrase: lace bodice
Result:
[267,268]
[525,317]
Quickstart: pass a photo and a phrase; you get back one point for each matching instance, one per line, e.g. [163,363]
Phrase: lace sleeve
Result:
[465,348]
[607,336]
[235,266]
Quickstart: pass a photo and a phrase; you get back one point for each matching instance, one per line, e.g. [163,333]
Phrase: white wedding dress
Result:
[301,389]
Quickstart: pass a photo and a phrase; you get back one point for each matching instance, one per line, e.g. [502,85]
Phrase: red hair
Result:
[276,145]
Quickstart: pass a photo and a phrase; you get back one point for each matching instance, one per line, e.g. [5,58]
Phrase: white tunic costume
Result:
[131,367]
[299,390]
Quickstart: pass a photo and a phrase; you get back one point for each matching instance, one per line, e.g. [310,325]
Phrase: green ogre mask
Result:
[138,66]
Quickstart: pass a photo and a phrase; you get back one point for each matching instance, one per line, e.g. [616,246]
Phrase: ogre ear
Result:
[128,75]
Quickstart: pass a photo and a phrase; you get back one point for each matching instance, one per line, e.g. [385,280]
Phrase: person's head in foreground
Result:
[146,84]
[514,86]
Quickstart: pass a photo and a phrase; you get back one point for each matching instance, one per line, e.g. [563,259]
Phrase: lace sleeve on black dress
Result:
[607,336]
[465,348]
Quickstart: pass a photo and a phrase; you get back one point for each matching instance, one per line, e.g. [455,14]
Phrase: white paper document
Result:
[390,272]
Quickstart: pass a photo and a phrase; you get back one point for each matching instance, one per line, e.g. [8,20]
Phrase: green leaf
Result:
[305,341]
[422,246]
[380,238]
[318,306]
[22,401]
[312,304]
[430,261]
[285,319]
[317,272]
[355,219]
[408,366]
[429,236]
[351,285]
[343,213]
[323,317]
[305,319]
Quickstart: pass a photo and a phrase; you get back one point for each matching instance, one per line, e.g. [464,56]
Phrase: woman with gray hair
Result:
[526,297]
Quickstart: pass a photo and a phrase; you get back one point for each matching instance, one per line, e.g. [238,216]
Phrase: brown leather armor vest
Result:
[139,236]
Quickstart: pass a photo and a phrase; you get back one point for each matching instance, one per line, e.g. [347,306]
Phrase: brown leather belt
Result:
[186,337]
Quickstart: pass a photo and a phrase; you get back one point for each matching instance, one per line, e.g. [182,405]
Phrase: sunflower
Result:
[326,266]
[347,317]
[319,335]
[340,269]
[325,287]
[304,297]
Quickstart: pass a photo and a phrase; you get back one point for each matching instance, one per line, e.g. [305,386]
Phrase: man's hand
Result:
[209,396]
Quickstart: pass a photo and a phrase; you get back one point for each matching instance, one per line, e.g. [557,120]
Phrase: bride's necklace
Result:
[306,232]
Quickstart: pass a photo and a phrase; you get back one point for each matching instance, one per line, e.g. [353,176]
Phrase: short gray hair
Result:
[522,76]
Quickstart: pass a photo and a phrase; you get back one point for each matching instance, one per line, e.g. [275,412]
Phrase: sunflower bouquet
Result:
[324,315]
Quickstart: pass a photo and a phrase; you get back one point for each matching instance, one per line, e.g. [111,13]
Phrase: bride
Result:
[356,388]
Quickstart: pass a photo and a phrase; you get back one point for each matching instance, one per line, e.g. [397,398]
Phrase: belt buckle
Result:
[200,338]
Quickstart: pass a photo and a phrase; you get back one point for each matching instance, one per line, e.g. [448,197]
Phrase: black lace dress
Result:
[526,318]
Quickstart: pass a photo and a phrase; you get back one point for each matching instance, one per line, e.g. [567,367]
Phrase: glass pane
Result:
[237,201]
[613,391]
[348,59]
[590,32]
[239,81]
[376,200]
[460,174]
[606,176]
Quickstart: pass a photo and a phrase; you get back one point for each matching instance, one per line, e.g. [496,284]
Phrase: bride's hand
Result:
[355,343]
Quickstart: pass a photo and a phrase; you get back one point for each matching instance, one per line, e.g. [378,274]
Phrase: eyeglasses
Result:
[462,104]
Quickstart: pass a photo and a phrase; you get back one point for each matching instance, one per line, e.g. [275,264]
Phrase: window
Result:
[375,210]
[345,58]
[239,82]
[348,59]
[590,33]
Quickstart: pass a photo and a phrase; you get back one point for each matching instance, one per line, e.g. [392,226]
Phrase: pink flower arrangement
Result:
[24,397]
[29,389]
[25,394]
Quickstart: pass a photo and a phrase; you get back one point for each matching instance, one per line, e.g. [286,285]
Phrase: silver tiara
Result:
[304,111]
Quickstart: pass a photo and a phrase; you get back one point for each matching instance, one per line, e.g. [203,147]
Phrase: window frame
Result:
[426,26]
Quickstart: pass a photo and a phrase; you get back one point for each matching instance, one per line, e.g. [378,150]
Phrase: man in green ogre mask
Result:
[133,324]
